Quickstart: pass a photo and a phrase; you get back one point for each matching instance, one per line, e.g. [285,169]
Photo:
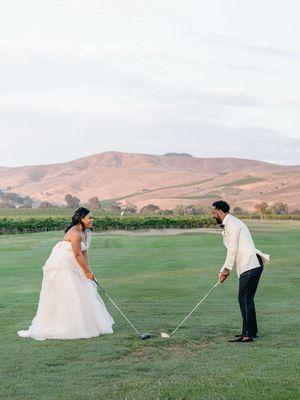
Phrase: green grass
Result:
[210,195]
[156,280]
[245,181]
[147,191]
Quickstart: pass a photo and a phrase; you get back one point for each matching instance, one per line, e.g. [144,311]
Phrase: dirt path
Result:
[159,232]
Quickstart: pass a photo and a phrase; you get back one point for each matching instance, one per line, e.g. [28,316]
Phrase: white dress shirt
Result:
[240,246]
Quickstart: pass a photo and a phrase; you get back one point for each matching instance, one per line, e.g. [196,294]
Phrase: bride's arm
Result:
[85,255]
[88,241]
[75,240]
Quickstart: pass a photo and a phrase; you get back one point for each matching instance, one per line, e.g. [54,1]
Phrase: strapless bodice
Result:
[84,246]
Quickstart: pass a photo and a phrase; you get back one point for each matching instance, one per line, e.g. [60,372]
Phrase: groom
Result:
[249,265]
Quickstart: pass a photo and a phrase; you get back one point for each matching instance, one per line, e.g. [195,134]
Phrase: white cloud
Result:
[148,74]
[70,135]
[221,39]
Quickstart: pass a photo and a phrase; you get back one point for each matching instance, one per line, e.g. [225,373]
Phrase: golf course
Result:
[156,280]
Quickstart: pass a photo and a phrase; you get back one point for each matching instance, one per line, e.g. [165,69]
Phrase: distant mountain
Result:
[3,168]
[165,181]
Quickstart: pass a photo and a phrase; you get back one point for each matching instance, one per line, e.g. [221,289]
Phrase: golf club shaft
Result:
[207,294]
[117,307]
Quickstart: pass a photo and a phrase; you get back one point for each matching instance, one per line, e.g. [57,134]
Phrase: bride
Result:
[70,306]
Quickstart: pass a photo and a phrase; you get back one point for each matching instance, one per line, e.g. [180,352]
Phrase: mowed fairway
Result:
[156,280]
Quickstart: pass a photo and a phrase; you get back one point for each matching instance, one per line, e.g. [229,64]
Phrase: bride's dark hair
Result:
[80,213]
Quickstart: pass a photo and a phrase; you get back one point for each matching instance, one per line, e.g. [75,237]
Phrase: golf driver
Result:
[143,336]
[166,335]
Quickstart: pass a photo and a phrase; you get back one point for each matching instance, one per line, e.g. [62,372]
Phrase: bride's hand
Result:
[90,275]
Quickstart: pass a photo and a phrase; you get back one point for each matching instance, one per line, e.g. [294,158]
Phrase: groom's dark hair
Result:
[222,205]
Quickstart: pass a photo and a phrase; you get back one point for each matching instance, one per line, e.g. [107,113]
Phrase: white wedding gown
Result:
[69,306]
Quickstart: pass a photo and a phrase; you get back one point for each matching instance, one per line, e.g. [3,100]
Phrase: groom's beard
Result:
[218,220]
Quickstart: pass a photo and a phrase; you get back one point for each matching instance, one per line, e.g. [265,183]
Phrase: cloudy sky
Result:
[208,77]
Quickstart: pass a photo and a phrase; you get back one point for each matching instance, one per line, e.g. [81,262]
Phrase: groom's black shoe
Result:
[256,336]
[240,339]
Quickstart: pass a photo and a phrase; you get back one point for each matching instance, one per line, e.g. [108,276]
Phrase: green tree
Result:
[129,210]
[180,209]
[72,201]
[150,209]
[279,208]
[46,204]
[167,212]
[239,210]
[263,209]
[94,203]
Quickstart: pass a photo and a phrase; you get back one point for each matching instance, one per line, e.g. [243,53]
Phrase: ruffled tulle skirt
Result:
[69,306]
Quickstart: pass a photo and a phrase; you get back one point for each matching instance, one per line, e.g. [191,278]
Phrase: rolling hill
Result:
[166,181]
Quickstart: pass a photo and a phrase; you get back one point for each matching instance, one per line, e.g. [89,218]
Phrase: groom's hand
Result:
[223,276]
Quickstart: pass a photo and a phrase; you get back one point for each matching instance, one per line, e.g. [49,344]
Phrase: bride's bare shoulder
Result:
[73,233]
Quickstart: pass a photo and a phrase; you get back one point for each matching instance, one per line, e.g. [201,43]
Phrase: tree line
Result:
[263,210]
[38,224]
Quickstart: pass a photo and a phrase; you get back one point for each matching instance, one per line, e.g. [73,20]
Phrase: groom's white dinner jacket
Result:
[240,246]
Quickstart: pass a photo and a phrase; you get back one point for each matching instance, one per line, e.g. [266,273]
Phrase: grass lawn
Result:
[156,280]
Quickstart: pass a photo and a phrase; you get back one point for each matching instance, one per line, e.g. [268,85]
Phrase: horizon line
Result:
[168,154]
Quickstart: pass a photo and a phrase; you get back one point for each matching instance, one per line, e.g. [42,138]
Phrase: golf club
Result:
[143,336]
[166,335]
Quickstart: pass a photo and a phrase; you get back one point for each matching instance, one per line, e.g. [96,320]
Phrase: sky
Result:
[211,78]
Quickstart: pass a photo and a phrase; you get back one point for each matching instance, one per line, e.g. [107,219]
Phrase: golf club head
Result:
[146,336]
[165,335]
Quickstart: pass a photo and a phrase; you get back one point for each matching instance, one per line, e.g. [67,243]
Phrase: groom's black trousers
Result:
[247,289]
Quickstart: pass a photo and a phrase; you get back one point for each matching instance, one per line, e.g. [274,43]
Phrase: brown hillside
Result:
[162,180]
